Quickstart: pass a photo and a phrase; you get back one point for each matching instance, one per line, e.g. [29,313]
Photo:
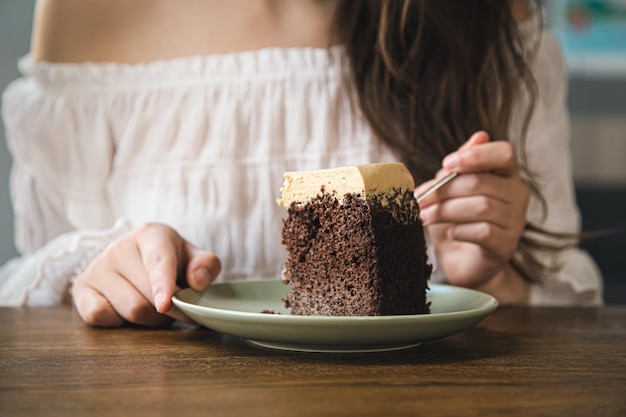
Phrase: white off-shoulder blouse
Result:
[200,143]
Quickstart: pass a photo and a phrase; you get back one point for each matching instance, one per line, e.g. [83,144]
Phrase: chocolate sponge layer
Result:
[363,257]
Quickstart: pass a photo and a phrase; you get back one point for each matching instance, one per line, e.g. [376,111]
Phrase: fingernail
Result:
[159,300]
[202,277]
[451,162]
[420,189]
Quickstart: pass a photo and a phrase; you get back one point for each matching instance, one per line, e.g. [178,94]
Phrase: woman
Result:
[175,125]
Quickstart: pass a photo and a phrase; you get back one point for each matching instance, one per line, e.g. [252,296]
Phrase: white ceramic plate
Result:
[235,309]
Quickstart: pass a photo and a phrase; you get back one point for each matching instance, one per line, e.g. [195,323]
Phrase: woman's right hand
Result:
[133,280]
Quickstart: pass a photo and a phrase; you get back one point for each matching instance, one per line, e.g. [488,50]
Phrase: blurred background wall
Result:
[593,35]
[15,25]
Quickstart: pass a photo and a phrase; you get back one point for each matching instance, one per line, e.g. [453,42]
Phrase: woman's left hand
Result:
[475,221]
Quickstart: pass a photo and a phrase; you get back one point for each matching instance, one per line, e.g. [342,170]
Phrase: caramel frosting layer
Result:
[303,186]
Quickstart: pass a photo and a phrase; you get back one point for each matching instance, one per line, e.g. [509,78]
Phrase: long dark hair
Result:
[427,74]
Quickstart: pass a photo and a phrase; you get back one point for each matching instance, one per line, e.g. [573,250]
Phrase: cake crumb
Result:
[269,312]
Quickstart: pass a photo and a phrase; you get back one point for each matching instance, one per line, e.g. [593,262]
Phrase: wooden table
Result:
[518,361]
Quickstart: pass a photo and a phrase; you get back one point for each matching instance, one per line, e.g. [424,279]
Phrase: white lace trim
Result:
[58,269]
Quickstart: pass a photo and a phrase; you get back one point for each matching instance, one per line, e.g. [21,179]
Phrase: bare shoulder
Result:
[77,30]
[115,30]
[132,31]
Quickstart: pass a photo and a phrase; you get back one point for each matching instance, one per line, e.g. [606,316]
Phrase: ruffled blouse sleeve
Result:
[43,277]
[51,170]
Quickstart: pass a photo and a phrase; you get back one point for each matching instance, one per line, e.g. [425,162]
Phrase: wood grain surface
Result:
[517,362]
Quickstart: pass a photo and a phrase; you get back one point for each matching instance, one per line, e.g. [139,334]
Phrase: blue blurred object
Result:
[592,34]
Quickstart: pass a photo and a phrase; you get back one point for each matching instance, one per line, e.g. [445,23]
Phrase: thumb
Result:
[477,138]
[203,267]
[451,161]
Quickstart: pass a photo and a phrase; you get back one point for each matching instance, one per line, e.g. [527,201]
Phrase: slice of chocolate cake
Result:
[355,242]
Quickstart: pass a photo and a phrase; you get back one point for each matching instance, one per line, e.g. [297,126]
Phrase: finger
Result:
[474,184]
[497,157]
[471,209]
[127,258]
[132,308]
[451,163]
[491,238]
[160,249]
[127,301]
[93,308]
[425,185]
[203,267]
[477,138]
[129,263]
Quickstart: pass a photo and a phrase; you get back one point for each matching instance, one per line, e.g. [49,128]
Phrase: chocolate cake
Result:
[355,242]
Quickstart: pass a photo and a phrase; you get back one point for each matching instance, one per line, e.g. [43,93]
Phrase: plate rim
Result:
[491,303]
[302,333]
